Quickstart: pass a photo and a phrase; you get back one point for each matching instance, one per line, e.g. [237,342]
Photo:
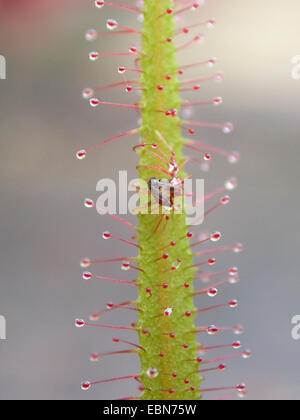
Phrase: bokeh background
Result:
[45,229]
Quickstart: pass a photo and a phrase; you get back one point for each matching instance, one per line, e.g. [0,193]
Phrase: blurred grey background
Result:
[45,229]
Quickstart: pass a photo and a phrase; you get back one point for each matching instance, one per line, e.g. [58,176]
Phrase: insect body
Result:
[164,190]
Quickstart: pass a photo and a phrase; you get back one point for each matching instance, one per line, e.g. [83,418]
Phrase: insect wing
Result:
[162,191]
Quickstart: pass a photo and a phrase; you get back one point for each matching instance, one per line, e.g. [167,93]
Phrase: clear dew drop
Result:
[234,157]
[212,330]
[94,317]
[247,354]
[177,18]
[94,102]
[87,275]
[219,77]
[133,49]
[234,279]
[218,101]
[212,292]
[188,111]
[86,385]
[88,203]
[225,200]
[238,248]
[199,38]
[212,61]
[231,184]
[198,3]
[215,237]
[94,55]
[125,266]
[121,70]
[106,235]
[233,303]
[99,4]
[236,345]
[233,271]
[87,93]
[211,23]
[152,373]
[94,357]
[203,236]
[140,18]
[91,35]
[79,323]
[241,387]
[205,167]
[238,330]
[228,128]
[85,262]
[111,24]
[168,311]
[81,154]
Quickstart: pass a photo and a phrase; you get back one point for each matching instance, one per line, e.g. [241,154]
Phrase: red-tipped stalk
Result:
[99,4]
